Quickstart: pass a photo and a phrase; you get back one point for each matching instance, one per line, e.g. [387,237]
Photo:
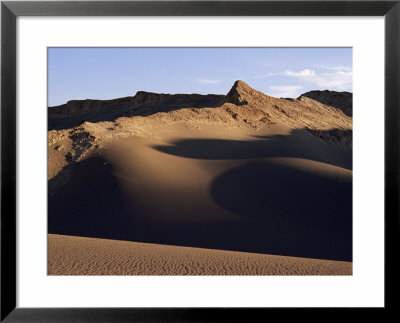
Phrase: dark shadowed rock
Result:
[141,98]
[75,112]
[340,100]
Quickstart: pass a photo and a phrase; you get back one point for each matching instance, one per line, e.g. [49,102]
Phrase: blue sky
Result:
[108,73]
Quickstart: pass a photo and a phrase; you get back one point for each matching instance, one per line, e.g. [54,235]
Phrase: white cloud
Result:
[285,91]
[337,68]
[207,81]
[339,78]
[264,75]
[303,73]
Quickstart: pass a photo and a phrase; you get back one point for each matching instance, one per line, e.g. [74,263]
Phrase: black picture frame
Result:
[10,10]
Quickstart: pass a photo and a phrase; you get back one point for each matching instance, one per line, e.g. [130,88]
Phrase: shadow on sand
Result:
[296,213]
[283,211]
[90,203]
[298,144]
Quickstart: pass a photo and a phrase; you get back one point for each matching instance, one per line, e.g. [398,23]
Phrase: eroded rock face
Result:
[75,112]
[141,98]
[241,94]
[76,106]
[155,99]
[82,142]
[340,100]
[238,93]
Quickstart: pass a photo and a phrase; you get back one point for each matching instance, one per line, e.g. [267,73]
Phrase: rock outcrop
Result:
[79,106]
[141,99]
[75,112]
[340,100]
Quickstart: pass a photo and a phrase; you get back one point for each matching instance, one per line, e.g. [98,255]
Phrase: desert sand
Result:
[265,181]
[70,255]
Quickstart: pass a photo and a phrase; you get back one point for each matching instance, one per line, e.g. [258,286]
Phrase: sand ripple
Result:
[69,255]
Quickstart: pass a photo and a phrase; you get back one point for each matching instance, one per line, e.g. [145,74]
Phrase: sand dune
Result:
[261,191]
[254,175]
[87,256]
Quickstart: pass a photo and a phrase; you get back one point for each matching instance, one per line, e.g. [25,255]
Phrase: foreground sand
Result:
[70,255]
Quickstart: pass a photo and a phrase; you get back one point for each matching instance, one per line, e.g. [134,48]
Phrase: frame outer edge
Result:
[8,161]
[8,158]
[392,152]
[203,8]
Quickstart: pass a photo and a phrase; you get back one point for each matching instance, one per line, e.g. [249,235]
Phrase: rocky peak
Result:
[238,93]
[241,94]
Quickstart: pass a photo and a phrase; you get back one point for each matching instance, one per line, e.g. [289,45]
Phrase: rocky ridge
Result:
[340,100]
[81,128]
